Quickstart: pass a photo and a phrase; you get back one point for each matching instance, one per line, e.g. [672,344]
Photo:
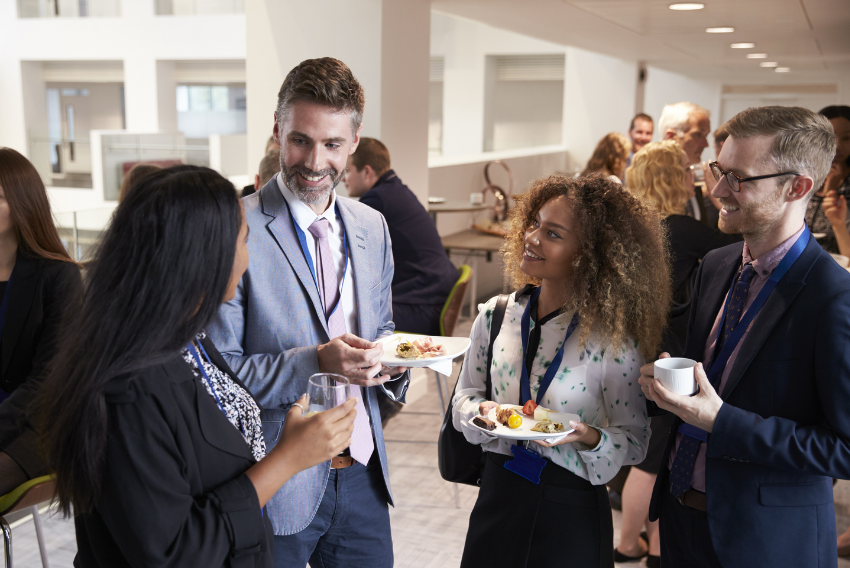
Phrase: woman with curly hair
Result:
[609,157]
[590,261]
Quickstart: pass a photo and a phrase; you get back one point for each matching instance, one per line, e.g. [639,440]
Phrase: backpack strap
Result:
[495,327]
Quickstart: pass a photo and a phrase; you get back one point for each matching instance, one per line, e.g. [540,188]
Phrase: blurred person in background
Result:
[136,173]
[658,176]
[423,275]
[640,134]
[38,281]
[827,211]
[609,157]
[269,167]
[689,125]
[157,445]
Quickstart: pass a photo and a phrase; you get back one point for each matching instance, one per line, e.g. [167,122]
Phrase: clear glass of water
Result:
[326,391]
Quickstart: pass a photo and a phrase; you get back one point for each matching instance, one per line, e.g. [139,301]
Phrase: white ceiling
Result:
[812,37]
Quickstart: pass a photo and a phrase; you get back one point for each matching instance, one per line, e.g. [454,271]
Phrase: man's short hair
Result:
[371,152]
[676,117]
[639,116]
[326,81]
[803,141]
[269,166]
[721,134]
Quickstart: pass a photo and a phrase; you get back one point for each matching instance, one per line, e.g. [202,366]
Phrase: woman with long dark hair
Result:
[156,443]
[37,281]
[590,264]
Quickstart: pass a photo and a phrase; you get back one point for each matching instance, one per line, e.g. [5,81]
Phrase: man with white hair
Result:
[689,125]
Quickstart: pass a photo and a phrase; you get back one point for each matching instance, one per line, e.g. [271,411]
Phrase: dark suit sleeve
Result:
[145,498]
[62,290]
[819,449]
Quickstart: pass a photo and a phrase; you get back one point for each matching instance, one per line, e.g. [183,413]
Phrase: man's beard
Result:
[755,219]
[309,194]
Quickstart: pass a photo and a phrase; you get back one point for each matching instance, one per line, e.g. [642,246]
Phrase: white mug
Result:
[476,198]
[677,375]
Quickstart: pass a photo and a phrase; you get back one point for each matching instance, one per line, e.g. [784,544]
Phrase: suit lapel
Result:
[356,236]
[282,229]
[774,308]
[716,287]
[21,294]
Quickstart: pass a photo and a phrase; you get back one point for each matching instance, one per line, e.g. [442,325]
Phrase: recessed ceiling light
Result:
[768,64]
[756,56]
[783,69]
[687,6]
[719,30]
[743,45]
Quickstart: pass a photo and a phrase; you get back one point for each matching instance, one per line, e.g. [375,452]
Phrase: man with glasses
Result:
[747,480]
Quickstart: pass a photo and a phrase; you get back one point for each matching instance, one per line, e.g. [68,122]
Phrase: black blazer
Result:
[40,292]
[174,490]
[783,431]
[423,272]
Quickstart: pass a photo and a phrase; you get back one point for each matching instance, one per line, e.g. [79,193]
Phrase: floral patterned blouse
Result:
[598,384]
[239,406]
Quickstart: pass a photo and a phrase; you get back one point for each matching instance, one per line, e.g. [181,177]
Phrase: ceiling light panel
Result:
[756,56]
[719,30]
[742,45]
[687,6]
[768,64]
[783,69]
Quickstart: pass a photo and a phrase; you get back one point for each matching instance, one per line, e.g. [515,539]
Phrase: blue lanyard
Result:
[524,383]
[197,358]
[302,240]
[722,358]
[788,260]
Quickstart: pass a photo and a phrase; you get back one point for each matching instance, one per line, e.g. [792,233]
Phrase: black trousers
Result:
[685,540]
[563,521]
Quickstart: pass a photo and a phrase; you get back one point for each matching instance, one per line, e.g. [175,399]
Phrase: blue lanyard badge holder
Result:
[527,463]
[722,358]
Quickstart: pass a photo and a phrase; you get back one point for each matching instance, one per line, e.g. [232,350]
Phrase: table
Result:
[454,206]
[475,244]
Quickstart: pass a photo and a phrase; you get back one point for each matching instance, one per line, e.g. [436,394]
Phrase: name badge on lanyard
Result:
[302,240]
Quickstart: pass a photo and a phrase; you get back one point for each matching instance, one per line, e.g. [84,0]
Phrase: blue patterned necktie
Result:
[686,454]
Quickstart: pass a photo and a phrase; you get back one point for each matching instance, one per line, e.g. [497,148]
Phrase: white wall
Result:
[663,87]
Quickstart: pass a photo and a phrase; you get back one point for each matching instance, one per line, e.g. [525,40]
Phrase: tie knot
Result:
[747,273]
[319,228]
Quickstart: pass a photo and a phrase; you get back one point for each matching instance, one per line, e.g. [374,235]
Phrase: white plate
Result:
[455,347]
[524,431]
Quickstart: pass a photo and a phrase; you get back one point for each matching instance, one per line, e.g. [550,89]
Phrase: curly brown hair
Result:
[621,275]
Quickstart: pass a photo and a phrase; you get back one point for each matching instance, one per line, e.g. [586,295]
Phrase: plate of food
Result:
[402,350]
[529,422]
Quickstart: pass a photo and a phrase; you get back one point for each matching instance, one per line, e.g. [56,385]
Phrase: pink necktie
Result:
[362,444]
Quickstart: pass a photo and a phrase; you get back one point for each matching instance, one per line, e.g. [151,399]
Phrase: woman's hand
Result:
[838,172]
[835,208]
[485,407]
[587,435]
[304,443]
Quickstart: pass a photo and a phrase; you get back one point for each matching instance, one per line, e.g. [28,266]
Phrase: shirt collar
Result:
[301,212]
[765,265]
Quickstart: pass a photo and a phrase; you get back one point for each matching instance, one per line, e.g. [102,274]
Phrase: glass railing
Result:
[69,9]
[198,7]
[80,231]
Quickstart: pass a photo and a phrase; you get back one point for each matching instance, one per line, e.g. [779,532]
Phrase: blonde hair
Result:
[620,285]
[658,176]
[610,155]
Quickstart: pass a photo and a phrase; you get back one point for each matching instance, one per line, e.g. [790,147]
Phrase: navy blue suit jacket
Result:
[783,431]
[423,272]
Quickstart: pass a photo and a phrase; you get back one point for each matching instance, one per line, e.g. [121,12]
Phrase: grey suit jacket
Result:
[270,331]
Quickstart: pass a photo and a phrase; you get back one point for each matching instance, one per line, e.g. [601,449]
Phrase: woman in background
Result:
[610,157]
[136,173]
[658,176]
[38,280]
[157,445]
[591,265]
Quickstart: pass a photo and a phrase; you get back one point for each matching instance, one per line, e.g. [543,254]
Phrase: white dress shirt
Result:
[304,217]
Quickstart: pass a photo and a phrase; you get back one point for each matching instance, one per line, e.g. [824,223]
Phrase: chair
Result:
[30,494]
[449,316]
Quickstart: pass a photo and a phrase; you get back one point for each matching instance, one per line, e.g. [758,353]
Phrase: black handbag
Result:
[460,461]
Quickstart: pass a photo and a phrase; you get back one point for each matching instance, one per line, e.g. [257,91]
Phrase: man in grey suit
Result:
[316,295]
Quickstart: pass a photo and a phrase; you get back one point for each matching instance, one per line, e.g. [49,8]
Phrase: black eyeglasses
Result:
[735,181]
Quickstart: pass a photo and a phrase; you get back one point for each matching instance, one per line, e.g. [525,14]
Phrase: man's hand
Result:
[835,208]
[354,358]
[700,410]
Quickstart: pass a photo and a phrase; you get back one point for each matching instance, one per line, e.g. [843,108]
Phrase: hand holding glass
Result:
[326,391]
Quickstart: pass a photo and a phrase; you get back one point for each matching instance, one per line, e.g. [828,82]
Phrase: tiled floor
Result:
[428,530]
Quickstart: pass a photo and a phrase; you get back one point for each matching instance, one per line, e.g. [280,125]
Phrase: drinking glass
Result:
[326,391]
